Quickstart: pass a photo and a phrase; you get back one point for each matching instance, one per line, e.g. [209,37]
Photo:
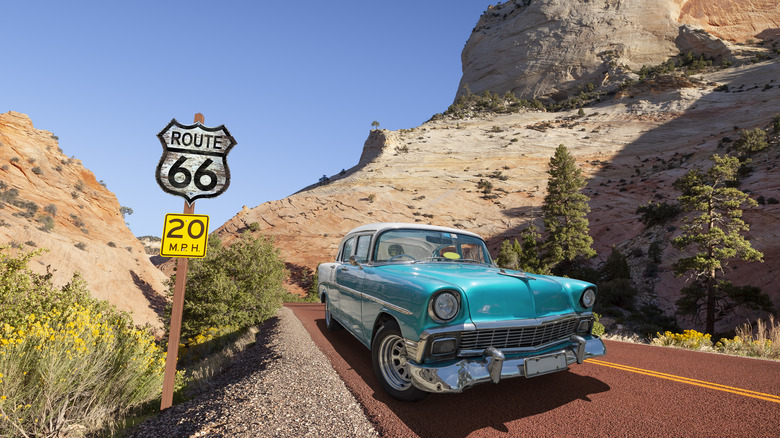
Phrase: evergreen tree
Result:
[528,254]
[525,256]
[565,212]
[616,267]
[507,256]
[714,230]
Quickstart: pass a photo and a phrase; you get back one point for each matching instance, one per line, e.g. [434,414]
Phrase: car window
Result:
[347,251]
[362,248]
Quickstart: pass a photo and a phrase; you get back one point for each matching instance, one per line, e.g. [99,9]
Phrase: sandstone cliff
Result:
[548,48]
[51,201]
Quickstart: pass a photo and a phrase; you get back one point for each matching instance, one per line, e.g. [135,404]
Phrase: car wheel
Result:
[330,323]
[388,354]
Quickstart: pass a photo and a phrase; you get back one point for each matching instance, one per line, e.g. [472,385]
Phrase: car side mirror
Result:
[353,261]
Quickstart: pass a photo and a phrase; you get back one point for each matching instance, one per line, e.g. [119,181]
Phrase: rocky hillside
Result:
[48,200]
[549,48]
[632,142]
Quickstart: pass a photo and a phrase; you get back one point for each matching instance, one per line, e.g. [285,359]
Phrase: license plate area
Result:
[550,363]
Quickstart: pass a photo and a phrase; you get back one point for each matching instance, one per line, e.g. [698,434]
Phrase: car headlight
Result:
[444,306]
[588,298]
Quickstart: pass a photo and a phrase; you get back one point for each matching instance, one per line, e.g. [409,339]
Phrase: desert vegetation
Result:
[69,364]
[74,365]
[239,285]
[710,230]
[762,341]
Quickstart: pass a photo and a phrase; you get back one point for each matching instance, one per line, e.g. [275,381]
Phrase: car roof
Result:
[383,226]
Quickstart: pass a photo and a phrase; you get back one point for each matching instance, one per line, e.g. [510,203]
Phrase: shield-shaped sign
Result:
[194,160]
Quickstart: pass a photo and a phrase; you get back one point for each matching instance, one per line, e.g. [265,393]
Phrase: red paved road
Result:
[592,399]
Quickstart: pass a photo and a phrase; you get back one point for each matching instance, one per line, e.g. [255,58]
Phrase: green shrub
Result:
[47,223]
[240,286]
[657,213]
[655,251]
[65,358]
[764,343]
[751,141]
[598,328]
[615,267]
[616,293]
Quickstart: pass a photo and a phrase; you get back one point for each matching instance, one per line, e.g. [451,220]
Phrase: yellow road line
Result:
[702,383]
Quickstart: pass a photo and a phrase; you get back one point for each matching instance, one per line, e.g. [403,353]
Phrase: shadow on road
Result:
[458,415]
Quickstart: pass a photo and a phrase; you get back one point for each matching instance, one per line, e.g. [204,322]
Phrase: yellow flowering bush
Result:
[71,362]
[763,341]
[690,339]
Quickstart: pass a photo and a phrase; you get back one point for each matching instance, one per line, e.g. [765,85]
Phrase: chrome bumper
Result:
[493,366]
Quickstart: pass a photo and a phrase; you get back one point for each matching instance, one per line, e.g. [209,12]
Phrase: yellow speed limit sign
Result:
[185,235]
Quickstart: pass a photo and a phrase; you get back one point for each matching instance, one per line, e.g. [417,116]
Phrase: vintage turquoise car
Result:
[439,316]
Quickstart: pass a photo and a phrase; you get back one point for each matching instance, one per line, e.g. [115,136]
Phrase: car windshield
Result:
[429,246]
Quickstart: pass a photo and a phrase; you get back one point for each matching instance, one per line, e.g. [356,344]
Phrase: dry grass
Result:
[761,341]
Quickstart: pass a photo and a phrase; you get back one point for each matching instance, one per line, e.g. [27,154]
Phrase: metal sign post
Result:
[193,165]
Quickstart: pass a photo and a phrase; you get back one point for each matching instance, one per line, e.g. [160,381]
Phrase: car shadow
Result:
[480,407]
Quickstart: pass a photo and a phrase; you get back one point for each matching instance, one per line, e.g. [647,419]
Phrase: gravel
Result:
[283,386]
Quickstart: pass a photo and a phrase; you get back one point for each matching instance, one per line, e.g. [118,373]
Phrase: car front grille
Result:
[517,337]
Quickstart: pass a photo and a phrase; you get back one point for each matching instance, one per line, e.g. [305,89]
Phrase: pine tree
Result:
[565,212]
[507,256]
[714,230]
[528,253]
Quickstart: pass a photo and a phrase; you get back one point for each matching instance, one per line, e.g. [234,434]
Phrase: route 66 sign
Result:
[194,160]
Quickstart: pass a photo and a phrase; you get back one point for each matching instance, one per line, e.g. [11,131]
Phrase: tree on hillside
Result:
[375,125]
[528,251]
[714,230]
[523,256]
[565,212]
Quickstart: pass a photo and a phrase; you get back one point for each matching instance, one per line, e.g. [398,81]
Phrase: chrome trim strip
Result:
[521,323]
[376,300]
[478,352]
[466,373]
[457,328]
[521,275]
[386,304]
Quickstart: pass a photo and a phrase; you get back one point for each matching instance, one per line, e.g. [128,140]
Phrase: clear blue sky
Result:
[296,83]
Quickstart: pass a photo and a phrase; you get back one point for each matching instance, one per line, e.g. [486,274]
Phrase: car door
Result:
[350,279]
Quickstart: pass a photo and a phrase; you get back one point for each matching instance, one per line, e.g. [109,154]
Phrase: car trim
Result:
[530,322]
[492,365]
[386,304]
[377,300]
[420,346]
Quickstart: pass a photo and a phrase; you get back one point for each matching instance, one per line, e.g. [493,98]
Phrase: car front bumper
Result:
[494,366]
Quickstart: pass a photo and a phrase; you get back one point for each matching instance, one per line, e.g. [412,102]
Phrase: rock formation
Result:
[548,49]
[51,201]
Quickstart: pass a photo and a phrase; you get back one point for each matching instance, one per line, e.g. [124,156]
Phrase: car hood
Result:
[495,295]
